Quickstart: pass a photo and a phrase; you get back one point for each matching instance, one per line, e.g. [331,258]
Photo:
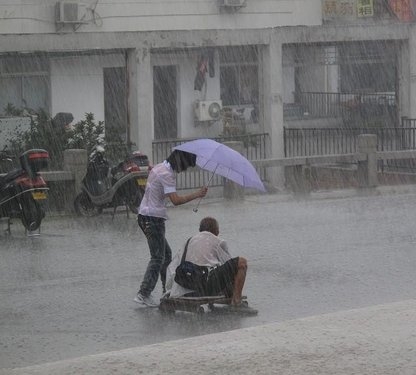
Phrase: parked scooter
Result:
[103,187]
[22,190]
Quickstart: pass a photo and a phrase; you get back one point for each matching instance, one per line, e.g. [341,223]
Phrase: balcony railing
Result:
[355,109]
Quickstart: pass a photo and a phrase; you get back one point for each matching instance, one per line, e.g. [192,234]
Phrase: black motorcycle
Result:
[103,187]
[22,189]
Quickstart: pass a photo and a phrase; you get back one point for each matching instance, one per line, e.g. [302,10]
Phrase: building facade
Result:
[157,70]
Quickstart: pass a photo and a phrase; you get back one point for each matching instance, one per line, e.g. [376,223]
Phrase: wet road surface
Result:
[69,292]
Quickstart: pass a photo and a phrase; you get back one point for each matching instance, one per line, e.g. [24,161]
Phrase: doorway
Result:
[115,106]
[165,98]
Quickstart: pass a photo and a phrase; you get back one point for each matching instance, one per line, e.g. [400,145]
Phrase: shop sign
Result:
[335,9]
[365,8]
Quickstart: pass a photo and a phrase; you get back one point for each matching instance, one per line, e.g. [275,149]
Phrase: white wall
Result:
[35,16]
[77,84]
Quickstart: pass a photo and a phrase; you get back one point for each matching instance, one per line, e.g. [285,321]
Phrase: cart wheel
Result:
[165,308]
[199,310]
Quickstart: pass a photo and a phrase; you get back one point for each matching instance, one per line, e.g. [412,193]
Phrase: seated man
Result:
[226,274]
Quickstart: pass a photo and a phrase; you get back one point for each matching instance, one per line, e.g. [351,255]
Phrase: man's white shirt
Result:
[204,249]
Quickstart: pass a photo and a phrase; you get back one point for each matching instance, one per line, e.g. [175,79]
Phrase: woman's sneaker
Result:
[145,300]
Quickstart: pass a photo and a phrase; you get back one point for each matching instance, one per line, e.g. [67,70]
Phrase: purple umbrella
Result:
[224,161]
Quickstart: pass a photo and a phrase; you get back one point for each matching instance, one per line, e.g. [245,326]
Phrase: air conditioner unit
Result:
[207,110]
[232,3]
[67,12]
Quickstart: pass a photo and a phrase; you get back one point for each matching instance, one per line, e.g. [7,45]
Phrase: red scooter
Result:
[103,187]
[22,190]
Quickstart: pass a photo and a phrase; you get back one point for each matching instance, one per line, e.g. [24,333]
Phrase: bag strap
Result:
[185,251]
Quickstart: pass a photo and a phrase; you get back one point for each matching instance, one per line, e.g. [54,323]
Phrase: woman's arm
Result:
[177,199]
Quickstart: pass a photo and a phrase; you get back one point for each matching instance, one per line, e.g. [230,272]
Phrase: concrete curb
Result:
[374,340]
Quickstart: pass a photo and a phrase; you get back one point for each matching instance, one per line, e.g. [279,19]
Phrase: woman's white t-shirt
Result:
[161,181]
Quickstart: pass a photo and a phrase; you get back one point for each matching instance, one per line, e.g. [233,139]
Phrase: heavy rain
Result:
[316,94]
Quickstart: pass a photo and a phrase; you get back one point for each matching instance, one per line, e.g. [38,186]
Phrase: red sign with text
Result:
[402,9]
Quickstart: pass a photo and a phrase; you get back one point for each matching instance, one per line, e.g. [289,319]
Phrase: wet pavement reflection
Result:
[69,292]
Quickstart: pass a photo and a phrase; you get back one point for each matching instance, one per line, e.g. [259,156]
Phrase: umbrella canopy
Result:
[224,161]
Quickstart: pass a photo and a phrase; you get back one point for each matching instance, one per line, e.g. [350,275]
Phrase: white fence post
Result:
[367,169]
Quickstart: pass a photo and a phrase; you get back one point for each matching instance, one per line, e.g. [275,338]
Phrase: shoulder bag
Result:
[191,276]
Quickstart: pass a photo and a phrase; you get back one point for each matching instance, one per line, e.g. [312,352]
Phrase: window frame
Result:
[22,69]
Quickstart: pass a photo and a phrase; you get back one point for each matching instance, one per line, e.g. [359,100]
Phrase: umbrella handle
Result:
[195,209]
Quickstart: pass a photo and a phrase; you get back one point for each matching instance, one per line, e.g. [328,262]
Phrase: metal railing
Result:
[366,157]
[327,141]
[324,141]
[353,108]
[254,148]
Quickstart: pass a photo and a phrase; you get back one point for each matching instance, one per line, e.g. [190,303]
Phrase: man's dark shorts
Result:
[221,278]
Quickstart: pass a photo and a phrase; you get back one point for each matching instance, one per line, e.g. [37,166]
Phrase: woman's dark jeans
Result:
[160,252]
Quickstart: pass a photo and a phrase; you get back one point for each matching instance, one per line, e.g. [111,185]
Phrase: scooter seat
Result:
[10,176]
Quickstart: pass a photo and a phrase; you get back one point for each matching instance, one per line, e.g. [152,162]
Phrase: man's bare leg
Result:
[239,280]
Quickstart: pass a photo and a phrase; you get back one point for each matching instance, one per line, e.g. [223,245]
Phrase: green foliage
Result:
[86,134]
[16,145]
[43,134]
[55,138]
[47,135]
[11,110]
